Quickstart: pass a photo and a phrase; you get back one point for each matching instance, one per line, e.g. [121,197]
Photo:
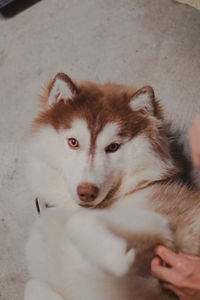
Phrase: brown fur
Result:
[181,205]
[169,196]
[108,102]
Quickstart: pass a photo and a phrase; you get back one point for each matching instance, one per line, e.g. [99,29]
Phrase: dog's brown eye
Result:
[112,148]
[73,143]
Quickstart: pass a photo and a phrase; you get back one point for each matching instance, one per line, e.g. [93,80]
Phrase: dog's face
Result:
[93,135]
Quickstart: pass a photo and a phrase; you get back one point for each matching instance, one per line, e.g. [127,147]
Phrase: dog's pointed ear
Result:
[62,88]
[144,100]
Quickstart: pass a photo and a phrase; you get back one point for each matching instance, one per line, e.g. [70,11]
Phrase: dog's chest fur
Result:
[109,142]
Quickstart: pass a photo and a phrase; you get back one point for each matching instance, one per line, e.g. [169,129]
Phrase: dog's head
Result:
[94,135]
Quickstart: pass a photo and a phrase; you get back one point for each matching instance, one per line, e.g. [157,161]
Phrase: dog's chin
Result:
[89,204]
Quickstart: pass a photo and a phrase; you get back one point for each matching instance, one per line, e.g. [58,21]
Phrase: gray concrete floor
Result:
[138,42]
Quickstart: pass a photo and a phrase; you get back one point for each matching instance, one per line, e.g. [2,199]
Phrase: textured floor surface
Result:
[139,42]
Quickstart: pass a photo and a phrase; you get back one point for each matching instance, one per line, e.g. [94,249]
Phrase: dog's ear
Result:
[144,101]
[62,88]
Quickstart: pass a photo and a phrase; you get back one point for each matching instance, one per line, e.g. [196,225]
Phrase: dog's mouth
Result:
[109,198]
[86,205]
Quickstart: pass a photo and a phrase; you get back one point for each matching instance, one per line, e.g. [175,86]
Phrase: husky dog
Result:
[100,160]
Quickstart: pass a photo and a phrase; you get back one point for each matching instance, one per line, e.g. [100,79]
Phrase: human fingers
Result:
[156,261]
[183,272]
[161,272]
[168,256]
[156,271]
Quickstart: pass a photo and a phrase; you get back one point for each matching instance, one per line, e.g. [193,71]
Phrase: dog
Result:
[110,187]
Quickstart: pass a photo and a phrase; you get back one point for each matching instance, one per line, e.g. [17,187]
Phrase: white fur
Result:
[99,223]
[143,101]
[36,289]
[90,169]
[145,164]
[106,167]
[60,90]
[80,255]
[109,134]
[75,253]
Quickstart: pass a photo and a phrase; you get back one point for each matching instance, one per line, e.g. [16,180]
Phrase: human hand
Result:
[194,136]
[183,275]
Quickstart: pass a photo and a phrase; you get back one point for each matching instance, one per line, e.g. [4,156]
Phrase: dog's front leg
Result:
[139,226]
[102,236]
[98,244]
[39,290]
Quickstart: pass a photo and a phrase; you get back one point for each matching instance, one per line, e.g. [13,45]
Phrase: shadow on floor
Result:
[16,7]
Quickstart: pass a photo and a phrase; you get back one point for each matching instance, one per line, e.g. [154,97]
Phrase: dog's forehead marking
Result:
[89,137]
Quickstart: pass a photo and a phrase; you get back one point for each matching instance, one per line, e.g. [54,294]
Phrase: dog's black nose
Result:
[87,192]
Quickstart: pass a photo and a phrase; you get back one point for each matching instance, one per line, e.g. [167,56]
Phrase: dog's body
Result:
[107,145]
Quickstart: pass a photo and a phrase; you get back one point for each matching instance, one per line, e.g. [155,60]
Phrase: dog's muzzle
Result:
[87,193]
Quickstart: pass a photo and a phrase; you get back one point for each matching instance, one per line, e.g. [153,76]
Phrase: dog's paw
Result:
[119,260]
[108,251]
